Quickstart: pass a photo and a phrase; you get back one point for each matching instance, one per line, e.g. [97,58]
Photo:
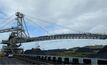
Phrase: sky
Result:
[78,15]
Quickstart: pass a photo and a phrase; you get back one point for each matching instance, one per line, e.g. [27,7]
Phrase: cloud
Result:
[74,15]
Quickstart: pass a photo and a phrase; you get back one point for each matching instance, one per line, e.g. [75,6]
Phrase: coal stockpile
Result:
[101,54]
[35,51]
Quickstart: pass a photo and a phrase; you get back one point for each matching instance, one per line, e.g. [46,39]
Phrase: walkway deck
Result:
[12,61]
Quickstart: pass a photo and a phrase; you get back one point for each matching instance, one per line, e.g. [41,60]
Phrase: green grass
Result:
[74,54]
[1,55]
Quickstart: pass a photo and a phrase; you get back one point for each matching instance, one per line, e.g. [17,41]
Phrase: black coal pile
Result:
[36,51]
[101,54]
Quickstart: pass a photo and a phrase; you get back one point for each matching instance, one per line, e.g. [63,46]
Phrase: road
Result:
[12,61]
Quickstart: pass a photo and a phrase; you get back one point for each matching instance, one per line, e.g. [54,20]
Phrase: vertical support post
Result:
[19,19]
[94,61]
